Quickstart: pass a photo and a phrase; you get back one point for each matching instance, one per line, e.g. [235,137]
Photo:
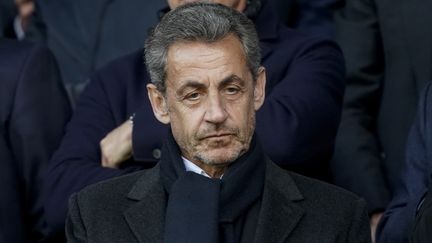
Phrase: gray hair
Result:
[203,22]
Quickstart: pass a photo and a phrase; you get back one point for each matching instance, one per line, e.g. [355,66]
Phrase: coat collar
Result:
[279,213]
[146,216]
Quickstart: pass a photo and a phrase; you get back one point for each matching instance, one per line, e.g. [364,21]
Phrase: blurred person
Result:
[309,16]
[34,109]
[213,182]
[7,14]
[14,17]
[113,131]
[387,47]
[84,35]
[410,196]
[25,10]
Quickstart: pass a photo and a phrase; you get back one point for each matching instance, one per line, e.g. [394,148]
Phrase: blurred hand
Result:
[25,10]
[374,220]
[116,147]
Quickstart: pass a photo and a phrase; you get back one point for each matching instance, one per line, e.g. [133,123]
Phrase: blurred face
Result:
[210,100]
[238,5]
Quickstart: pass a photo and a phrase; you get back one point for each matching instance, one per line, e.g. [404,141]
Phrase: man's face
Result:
[210,100]
[238,5]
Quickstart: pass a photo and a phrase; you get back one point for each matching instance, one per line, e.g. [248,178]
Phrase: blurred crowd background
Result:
[52,50]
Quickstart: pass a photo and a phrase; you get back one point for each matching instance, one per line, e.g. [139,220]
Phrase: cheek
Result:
[185,121]
[241,112]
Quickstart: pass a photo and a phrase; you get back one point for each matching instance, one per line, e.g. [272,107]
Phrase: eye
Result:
[194,96]
[232,90]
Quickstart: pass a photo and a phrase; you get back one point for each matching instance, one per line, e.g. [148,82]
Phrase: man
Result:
[387,47]
[85,35]
[297,123]
[213,183]
[33,111]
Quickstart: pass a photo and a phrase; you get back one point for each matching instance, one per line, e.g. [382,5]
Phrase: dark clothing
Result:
[423,225]
[205,208]
[309,16]
[84,35]
[297,123]
[8,12]
[33,111]
[293,209]
[388,52]
[398,219]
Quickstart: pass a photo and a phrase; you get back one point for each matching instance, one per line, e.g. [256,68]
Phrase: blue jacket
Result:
[398,219]
[297,124]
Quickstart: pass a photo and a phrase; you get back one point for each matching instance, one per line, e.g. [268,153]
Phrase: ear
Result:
[259,90]
[158,103]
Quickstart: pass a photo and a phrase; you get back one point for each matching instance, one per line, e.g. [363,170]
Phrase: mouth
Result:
[217,135]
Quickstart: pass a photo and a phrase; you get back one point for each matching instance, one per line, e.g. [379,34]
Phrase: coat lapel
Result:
[278,218]
[146,216]
[279,213]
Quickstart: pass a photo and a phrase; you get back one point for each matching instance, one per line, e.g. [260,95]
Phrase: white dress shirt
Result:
[190,166]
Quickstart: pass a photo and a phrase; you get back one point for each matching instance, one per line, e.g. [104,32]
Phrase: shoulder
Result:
[110,197]
[317,197]
[117,78]
[330,211]
[26,62]
[131,60]
[115,189]
[14,52]
[328,195]
[299,43]
[127,70]
[311,185]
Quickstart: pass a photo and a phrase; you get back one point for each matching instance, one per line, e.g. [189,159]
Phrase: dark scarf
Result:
[202,209]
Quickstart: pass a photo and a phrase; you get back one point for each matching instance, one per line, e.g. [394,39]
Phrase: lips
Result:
[219,135]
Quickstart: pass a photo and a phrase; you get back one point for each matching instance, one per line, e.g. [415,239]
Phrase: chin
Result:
[219,157]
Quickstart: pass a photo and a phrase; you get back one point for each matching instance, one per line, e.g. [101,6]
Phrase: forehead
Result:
[200,61]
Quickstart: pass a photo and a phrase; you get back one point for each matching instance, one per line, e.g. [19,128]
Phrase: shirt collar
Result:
[190,166]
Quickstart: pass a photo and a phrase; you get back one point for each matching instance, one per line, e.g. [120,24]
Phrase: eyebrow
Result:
[197,85]
[230,79]
[190,84]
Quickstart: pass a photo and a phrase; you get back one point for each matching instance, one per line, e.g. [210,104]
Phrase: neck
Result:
[214,171]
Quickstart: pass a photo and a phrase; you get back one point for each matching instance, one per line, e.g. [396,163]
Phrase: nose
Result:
[216,111]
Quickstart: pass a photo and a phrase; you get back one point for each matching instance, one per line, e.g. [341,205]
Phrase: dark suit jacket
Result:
[293,209]
[33,111]
[8,12]
[398,219]
[84,35]
[297,123]
[309,16]
[388,51]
